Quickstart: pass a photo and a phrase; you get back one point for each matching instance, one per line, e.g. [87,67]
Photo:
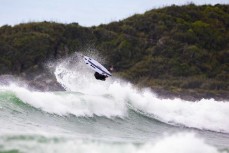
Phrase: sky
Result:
[85,12]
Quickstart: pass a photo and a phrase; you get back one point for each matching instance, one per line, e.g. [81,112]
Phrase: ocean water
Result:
[112,116]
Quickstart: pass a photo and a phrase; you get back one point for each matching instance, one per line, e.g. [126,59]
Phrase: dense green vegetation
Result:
[177,48]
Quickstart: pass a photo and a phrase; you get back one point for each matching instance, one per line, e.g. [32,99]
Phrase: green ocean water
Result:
[34,121]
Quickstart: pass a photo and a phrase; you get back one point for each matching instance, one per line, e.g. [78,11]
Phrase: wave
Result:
[177,143]
[87,97]
[65,103]
[204,114]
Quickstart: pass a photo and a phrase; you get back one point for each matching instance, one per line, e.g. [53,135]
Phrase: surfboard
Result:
[96,66]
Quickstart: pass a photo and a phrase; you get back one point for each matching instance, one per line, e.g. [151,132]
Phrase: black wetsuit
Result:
[100,76]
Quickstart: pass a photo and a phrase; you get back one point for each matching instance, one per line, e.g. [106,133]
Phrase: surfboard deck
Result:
[96,66]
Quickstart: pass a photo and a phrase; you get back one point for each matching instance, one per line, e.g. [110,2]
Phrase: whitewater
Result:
[115,116]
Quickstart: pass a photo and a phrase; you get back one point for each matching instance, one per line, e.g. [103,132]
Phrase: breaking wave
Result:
[87,97]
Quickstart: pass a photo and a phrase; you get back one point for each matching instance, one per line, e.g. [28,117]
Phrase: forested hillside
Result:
[176,48]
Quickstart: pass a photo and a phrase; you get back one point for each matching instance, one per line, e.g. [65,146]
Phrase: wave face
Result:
[96,115]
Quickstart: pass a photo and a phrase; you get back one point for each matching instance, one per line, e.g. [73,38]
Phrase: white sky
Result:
[84,12]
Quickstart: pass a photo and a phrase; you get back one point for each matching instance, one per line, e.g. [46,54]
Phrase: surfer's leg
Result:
[97,76]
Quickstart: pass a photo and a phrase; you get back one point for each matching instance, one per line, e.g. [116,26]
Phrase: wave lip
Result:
[205,114]
[65,103]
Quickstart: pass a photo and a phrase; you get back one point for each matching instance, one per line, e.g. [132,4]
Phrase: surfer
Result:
[102,77]
[101,73]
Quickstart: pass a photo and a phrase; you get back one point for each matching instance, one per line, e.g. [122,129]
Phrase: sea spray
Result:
[204,114]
